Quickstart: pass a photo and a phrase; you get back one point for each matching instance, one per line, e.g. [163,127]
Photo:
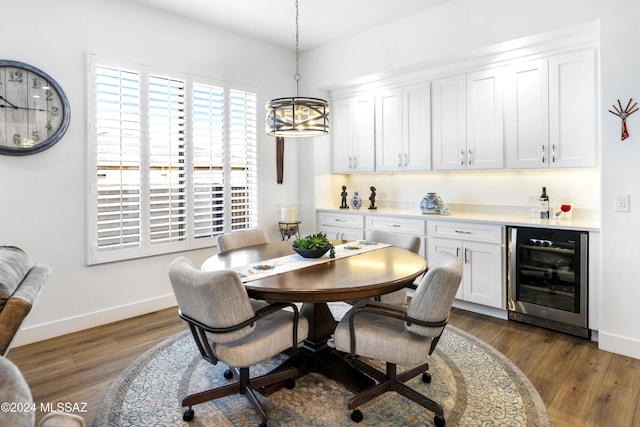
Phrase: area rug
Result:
[476,385]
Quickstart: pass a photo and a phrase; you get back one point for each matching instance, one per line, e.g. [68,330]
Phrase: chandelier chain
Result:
[297,76]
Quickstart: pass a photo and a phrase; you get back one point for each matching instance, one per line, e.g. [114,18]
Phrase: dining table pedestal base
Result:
[315,355]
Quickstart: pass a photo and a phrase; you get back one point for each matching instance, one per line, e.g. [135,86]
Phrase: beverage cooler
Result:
[547,281]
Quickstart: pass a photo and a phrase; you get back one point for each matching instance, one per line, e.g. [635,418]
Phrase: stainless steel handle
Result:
[399,160]
[394,225]
[355,162]
[461,157]
[466,258]
[458,252]
[463,232]
[470,158]
[350,162]
[406,159]
[553,153]
[544,153]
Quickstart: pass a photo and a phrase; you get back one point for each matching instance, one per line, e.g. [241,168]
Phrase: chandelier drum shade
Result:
[297,116]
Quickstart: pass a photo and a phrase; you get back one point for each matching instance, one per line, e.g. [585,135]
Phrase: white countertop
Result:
[581,223]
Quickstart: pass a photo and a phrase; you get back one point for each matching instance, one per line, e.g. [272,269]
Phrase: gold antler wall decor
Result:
[623,114]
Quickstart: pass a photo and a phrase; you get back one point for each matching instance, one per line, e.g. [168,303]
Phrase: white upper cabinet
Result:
[353,134]
[551,115]
[572,109]
[449,122]
[467,114]
[403,140]
[527,114]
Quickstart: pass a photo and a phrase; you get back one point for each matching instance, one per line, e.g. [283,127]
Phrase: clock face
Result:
[34,111]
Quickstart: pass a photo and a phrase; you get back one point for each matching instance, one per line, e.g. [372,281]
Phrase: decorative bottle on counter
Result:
[544,204]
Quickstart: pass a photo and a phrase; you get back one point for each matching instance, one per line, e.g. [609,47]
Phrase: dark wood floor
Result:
[581,385]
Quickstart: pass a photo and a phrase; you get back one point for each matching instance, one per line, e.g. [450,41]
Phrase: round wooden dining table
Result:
[359,276]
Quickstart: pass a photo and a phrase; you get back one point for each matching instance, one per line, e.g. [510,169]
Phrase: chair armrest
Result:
[277,306]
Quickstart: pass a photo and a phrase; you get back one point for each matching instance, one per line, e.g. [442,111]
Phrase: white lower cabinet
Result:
[481,249]
[341,226]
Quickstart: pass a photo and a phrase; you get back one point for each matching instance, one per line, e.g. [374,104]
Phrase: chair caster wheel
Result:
[289,384]
[356,416]
[228,374]
[426,377]
[439,421]
[262,425]
[188,415]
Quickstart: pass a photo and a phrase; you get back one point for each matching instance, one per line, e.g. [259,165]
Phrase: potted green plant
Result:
[314,246]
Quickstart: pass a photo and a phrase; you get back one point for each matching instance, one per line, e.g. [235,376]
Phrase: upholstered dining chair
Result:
[240,239]
[404,241]
[227,327]
[401,336]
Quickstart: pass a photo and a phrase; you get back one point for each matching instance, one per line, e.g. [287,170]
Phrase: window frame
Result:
[189,241]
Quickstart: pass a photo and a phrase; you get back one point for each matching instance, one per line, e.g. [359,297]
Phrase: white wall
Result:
[43,195]
[454,28]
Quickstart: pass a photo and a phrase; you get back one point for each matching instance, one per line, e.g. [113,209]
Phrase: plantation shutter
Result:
[243,159]
[208,160]
[167,196]
[118,180]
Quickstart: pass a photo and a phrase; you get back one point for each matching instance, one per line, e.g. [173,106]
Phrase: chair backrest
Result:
[240,239]
[217,299]
[404,241]
[434,296]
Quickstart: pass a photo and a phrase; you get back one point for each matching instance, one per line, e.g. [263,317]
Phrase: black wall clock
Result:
[34,110]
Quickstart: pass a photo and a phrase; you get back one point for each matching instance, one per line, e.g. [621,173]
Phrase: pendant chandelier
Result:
[293,117]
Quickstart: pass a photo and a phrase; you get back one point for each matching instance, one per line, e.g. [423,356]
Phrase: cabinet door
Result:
[572,109]
[390,154]
[435,245]
[341,135]
[416,127]
[483,279]
[527,115]
[485,133]
[363,134]
[449,123]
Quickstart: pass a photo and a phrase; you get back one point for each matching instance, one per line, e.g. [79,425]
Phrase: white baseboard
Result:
[618,344]
[57,328]
[482,309]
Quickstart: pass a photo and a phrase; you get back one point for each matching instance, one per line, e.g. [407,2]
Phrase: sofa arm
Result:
[19,304]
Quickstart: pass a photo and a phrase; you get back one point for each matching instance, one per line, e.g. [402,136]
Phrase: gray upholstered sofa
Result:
[18,408]
[21,281]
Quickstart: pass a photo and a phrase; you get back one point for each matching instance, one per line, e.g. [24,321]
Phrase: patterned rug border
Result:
[117,393]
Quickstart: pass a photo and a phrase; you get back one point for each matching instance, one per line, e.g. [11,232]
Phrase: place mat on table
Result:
[271,267]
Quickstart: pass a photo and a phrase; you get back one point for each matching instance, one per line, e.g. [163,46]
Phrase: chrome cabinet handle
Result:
[355,162]
[544,152]
[394,225]
[457,252]
[399,160]
[466,258]
[406,159]
[470,156]
[461,157]
[350,162]
[462,232]
[553,153]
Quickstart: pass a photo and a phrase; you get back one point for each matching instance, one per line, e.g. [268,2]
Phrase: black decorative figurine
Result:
[372,198]
[343,205]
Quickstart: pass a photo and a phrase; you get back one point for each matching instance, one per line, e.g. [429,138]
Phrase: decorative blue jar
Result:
[356,200]
[431,204]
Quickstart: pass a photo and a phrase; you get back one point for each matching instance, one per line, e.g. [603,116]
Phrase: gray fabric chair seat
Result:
[272,335]
[381,338]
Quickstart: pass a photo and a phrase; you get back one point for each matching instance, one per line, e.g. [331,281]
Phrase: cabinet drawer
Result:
[338,220]
[465,231]
[396,225]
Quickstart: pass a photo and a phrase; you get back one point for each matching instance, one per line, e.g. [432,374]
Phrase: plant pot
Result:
[311,253]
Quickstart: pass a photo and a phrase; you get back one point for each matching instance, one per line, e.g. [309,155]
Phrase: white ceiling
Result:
[320,21]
